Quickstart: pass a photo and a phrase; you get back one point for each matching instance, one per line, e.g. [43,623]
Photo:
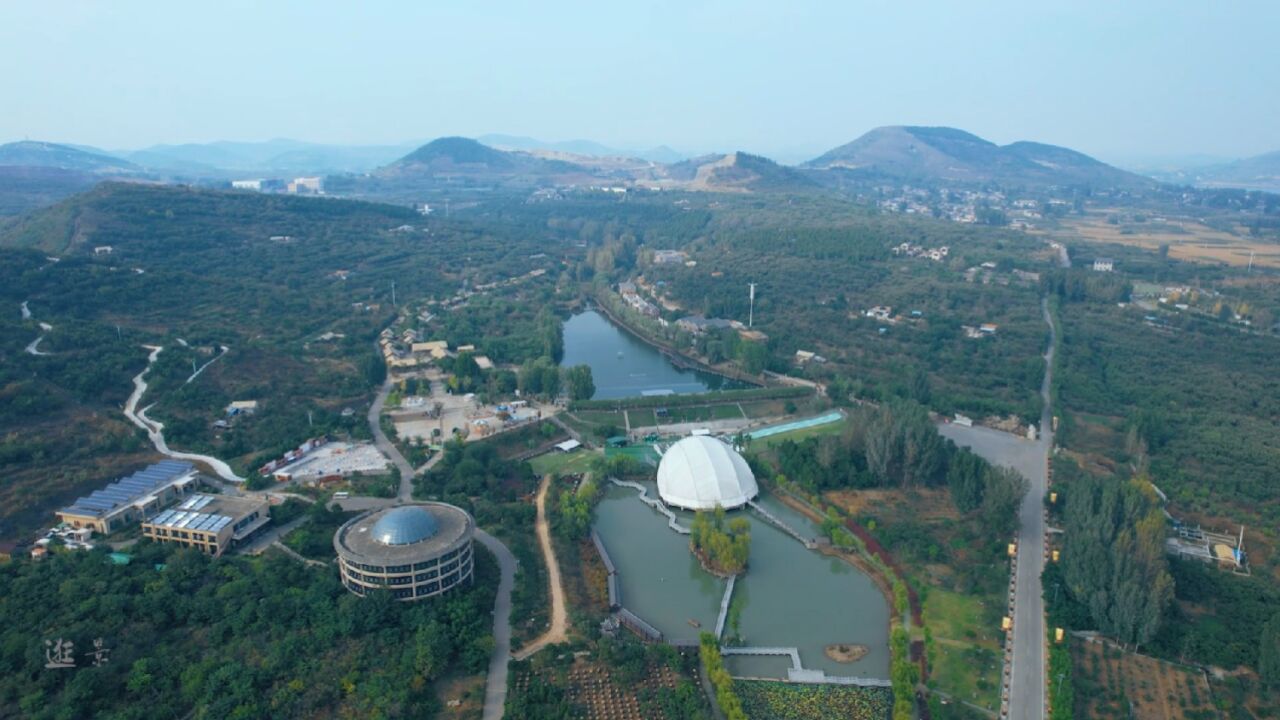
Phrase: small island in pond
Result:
[721,546]
[846,652]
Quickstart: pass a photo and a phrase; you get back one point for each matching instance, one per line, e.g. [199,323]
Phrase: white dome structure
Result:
[701,473]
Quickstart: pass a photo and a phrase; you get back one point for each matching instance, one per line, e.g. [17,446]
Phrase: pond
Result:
[790,596]
[623,365]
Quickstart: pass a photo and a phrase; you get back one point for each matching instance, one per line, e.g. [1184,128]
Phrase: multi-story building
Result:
[414,551]
[132,498]
[209,523]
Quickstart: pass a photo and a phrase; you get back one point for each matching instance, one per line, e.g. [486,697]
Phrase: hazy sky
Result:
[1120,80]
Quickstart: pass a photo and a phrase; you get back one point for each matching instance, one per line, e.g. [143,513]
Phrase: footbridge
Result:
[800,674]
[808,542]
[654,503]
[724,606]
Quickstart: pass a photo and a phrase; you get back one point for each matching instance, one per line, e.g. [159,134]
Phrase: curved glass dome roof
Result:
[405,526]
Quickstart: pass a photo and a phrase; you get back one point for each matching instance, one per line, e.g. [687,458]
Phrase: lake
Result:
[622,365]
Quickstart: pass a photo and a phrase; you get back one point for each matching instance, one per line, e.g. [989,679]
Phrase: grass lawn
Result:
[966,658]
[726,412]
[560,463]
[601,417]
[765,408]
[642,418]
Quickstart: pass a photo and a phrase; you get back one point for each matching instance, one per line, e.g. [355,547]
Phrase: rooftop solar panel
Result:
[132,487]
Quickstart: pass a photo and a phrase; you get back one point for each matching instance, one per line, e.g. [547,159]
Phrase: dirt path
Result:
[559,616]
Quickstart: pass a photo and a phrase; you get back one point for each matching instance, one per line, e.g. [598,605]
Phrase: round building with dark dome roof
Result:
[414,551]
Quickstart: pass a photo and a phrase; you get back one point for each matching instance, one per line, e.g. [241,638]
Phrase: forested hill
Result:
[942,154]
[265,275]
[155,221]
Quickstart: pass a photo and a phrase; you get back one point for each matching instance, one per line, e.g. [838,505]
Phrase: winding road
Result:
[155,429]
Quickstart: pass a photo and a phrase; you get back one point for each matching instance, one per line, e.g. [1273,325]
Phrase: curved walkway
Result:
[557,633]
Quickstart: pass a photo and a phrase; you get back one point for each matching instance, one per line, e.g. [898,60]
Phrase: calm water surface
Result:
[624,366]
[791,596]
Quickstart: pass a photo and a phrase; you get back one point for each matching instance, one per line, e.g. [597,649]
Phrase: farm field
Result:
[1187,239]
[593,690]
[1113,683]
[766,700]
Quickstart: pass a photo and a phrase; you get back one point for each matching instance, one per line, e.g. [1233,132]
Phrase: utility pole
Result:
[751,314]
[393,292]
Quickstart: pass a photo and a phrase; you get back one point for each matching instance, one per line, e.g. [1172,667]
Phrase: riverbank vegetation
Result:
[723,546]
[946,513]
[185,635]
[727,699]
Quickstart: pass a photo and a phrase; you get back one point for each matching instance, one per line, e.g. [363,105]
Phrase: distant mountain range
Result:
[272,157]
[1261,172]
[587,148]
[33,173]
[29,153]
[948,155]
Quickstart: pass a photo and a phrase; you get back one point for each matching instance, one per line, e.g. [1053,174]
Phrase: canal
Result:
[790,596]
[623,365]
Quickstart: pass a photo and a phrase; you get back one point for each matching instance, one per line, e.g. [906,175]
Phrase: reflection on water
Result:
[790,596]
[624,366]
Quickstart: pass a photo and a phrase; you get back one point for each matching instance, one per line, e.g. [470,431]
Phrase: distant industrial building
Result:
[208,523]
[247,185]
[132,498]
[415,551]
[1104,265]
[306,185]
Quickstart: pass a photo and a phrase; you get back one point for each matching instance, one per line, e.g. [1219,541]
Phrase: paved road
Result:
[495,687]
[384,444]
[263,540]
[1027,669]
[155,429]
[559,616]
